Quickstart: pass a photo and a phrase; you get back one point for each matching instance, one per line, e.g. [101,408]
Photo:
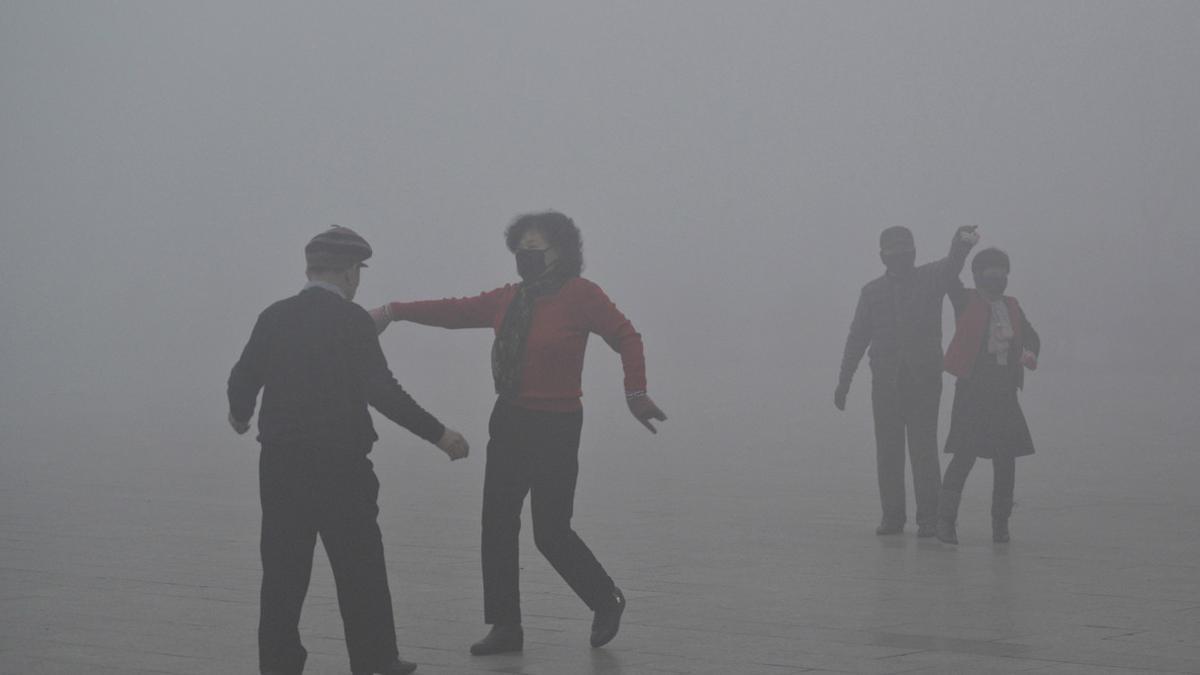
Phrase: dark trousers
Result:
[307,492]
[1004,478]
[907,408]
[537,453]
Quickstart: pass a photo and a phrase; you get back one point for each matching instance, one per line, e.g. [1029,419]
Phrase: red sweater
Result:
[552,371]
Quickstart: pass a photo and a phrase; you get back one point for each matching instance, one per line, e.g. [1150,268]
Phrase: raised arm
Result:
[958,297]
[856,345]
[479,311]
[948,269]
[246,378]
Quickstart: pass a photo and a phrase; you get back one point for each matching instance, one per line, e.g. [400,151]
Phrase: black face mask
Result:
[899,263]
[531,263]
[993,285]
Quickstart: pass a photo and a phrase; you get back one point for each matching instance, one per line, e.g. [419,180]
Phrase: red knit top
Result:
[552,371]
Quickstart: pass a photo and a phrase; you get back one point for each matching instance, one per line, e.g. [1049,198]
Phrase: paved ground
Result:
[740,552]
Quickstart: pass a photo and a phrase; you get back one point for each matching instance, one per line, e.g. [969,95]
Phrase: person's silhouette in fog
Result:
[993,343]
[541,327]
[899,316]
[317,360]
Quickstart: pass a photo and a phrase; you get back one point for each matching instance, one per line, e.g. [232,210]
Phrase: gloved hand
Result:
[382,316]
[643,408]
[839,396]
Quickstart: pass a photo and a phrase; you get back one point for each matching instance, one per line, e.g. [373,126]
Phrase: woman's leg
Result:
[1004,475]
[951,495]
[505,483]
[957,471]
[552,501]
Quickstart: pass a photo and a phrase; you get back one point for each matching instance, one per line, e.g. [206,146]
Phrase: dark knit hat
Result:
[989,257]
[336,249]
[896,239]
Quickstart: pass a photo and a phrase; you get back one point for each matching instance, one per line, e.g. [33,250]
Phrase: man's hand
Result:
[839,396]
[239,427]
[644,410]
[453,444]
[1029,360]
[968,235]
[382,316]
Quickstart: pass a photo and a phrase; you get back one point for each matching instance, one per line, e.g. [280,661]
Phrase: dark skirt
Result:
[986,420]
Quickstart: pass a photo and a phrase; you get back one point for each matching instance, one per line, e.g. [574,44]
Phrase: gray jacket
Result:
[900,319]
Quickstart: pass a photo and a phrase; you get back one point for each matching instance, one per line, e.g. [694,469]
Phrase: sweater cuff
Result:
[433,431]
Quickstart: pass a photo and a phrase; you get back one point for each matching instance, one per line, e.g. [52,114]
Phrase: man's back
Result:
[303,353]
[318,361]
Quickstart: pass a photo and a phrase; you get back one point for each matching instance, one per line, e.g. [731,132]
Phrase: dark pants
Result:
[307,492]
[537,453]
[1004,477]
[907,408]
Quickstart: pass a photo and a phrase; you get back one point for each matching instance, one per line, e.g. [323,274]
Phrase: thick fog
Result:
[730,166]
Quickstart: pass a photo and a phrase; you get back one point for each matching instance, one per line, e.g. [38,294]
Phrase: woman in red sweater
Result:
[542,326]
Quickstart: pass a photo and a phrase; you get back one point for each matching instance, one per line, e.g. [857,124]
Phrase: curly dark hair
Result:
[559,231]
[990,257]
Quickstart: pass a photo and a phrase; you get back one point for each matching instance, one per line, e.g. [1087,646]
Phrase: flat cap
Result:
[337,248]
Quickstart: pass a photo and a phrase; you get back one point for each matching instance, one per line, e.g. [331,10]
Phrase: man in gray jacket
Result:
[899,316]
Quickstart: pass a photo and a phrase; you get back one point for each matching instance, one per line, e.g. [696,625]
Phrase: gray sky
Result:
[730,165]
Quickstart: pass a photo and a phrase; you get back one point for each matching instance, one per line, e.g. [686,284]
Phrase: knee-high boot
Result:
[947,516]
[1001,510]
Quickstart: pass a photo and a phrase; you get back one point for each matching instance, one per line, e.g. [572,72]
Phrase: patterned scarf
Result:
[509,347]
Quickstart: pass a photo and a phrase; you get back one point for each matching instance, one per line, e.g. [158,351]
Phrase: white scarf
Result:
[1000,333]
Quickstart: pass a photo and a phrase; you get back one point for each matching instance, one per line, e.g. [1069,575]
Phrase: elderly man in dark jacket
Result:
[899,316]
[317,360]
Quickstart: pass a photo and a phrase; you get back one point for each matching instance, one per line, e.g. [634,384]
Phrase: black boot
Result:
[1001,510]
[947,516]
[607,621]
[503,638]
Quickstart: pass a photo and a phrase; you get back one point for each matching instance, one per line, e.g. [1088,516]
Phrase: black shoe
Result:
[396,667]
[947,516]
[926,531]
[886,528]
[607,621]
[501,639]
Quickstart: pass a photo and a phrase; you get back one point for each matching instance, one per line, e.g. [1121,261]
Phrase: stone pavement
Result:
[736,556]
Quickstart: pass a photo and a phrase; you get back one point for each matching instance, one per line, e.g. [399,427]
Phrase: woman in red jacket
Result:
[541,325]
[993,342]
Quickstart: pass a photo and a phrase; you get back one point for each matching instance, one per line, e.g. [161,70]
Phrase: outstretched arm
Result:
[479,311]
[386,395]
